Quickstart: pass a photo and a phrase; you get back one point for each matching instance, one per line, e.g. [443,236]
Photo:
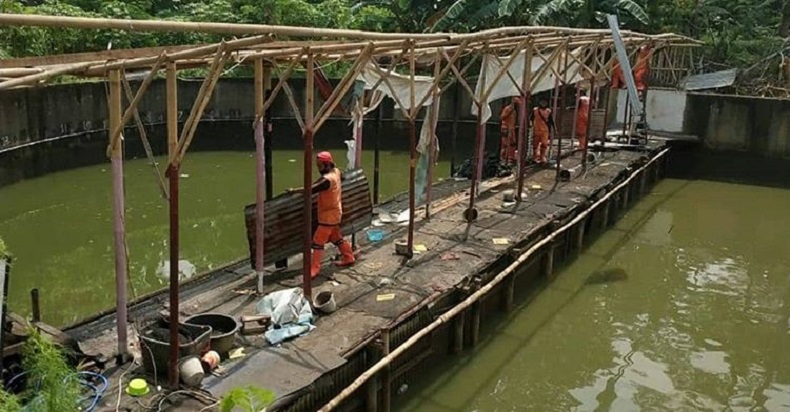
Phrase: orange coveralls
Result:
[642,67]
[330,213]
[542,122]
[618,78]
[582,119]
[507,151]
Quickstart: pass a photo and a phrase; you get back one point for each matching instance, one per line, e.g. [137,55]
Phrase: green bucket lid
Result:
[137,387]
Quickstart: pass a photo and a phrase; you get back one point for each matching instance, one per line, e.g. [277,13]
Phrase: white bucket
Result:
[191,371]
[325,302]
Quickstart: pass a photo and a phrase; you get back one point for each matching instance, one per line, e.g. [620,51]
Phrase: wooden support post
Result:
[474,335]
[454,127]
[377,155]
[114,107]
[626,193]
[373,354]
[589,123]
[432,145]
[386,374]
[605,218]
[509,289]
[523,113]
[267,143]
[260,172]
[458,334]
[643,183]
[307,175]
[412,157]
[35,305]
[580,235]
[172,173]
[548,265]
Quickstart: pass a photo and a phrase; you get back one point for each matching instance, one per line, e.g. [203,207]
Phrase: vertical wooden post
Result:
[172,173]
[260,172]
[412,155]
[454,128]
[580,235]
[377,154]
[509,289]
[478,155]
[458,333]
[589,123]
[526,88]
[626,193]
[360,129]
[118,214]
[548,268]
[373,355]
[267,130]
[605,220]
[386,374]
[307,197]
[575,115]
[432,144]
[475,332]
[35,304]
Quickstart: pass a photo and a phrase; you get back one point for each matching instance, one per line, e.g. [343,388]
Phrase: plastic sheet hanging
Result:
[427,132]
[357,117]
[507,85]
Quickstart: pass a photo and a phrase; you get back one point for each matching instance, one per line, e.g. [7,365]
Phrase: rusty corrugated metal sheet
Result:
[565,124]
[283,218]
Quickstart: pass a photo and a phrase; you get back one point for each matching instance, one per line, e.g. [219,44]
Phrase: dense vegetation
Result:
[738,33]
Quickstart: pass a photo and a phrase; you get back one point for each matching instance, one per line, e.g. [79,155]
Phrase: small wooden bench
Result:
[283,220]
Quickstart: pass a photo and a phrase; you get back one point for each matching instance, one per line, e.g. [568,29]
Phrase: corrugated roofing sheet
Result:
[713,80]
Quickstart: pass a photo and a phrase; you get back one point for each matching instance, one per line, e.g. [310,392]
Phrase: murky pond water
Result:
[59,227]
[699,321]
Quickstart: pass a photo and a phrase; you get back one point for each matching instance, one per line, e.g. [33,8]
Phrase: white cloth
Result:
[505,86]
[401,89]
[290,313]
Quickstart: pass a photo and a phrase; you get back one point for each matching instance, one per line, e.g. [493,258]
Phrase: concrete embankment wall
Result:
[723,123]
[64,126]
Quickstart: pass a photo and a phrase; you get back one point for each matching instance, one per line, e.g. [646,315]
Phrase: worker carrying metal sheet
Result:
[330,214]
[542,125]
[582,119]
[508,144]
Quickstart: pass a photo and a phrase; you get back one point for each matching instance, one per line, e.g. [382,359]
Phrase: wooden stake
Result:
[412,159]
[114,106]
[260,173]
[386,375]
[173,175]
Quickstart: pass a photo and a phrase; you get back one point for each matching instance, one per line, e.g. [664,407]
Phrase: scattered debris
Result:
[420,248]
[375,235]
[501,241]
[449,256]
[236,353]
[385,297]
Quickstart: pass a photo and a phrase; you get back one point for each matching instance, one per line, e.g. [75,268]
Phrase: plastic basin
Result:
[223,330]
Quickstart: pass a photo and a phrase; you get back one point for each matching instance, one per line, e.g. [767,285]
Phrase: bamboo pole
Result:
[144,137]
[437,77]
[345,84]
[206,90]
[412,164]
[114,106]
[432,145]
[476,296]
[307,177]
[260,173]
[45,75]
[173,175]
[267,143]
[132,109]
[526,90]
[471,213]
[504,69]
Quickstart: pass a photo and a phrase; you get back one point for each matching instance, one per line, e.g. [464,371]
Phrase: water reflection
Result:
[702,321]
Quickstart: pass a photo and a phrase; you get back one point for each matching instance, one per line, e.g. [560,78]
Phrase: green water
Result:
[59,227]
[700,323]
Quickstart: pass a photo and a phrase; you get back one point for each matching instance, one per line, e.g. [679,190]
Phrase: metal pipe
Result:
[260,173]
[114,107]
[172,140]
[35,305]
[476,296]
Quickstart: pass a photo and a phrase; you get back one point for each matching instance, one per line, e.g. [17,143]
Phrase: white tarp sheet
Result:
[505,86]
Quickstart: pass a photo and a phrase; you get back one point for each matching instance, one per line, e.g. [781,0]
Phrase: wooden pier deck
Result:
[308,371]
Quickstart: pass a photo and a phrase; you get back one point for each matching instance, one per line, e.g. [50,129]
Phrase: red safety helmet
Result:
[324,157]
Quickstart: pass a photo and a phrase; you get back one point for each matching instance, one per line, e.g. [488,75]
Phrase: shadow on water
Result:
[609,275]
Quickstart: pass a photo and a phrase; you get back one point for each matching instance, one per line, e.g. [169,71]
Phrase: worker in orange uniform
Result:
[542,125]
[618,78]
[642,67]
[582,118]
[330,214]
[507,119]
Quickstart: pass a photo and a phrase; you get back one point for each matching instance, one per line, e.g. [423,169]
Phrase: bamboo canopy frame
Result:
[282,49]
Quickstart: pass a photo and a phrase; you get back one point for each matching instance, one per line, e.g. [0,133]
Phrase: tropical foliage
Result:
[738,33]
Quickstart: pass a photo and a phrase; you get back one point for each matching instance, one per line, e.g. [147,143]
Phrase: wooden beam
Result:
[120,54]
[345,84]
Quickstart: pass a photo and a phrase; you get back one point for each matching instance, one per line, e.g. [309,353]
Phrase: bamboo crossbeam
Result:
[438,76]
[348,80]
[204,95]
[46,74]
[138,97]
[460,78]
[283,78]
[504,69]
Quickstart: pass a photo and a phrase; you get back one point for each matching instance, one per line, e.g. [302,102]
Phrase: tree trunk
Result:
[784,26]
